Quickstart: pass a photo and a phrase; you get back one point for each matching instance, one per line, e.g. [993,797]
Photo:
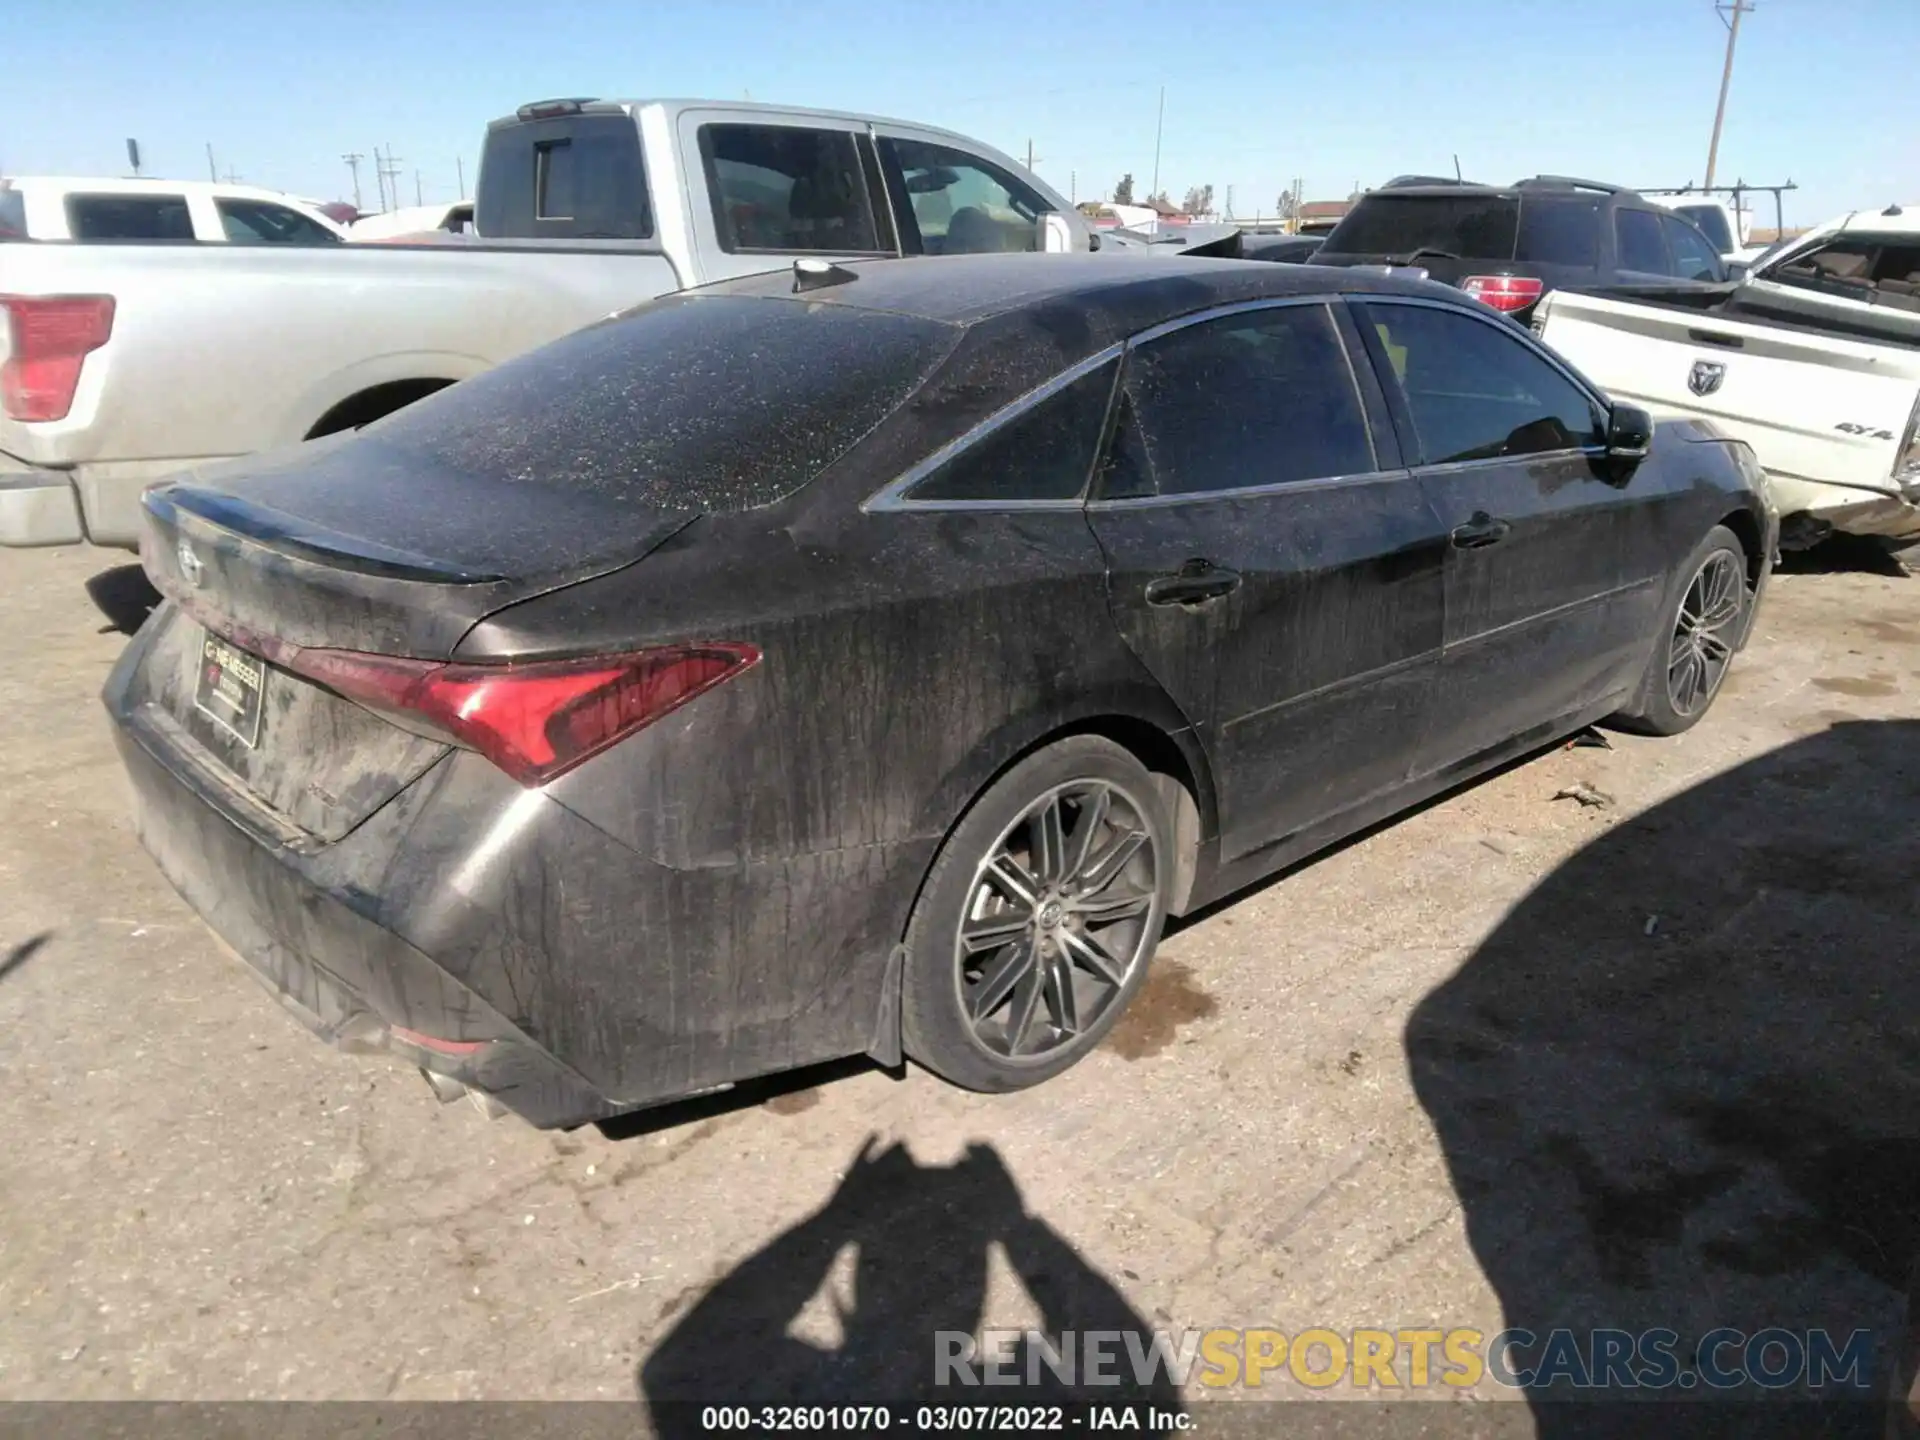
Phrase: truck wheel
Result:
[1700,631]
[1038,918]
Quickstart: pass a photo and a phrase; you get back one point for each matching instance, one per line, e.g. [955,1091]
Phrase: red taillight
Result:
[536,722]
[1505,293]
[52,335]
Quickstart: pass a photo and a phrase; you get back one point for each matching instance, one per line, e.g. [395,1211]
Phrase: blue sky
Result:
[1257,91]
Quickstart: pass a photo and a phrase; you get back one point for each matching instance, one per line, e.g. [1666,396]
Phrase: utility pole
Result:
[213,171]
[1159,128]
[1032,159]
[417,199]
[353,160]
[1736,8]
[460,170]
[1073,186]
[389,168]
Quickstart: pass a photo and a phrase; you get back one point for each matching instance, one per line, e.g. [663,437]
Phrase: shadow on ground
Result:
[844,1307]
[1842,554]
[1680,1085]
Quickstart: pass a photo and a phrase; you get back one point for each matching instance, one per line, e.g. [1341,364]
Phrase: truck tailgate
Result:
[1814,407]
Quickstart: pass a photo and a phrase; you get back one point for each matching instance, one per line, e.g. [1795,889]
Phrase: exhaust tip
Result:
[445,1090]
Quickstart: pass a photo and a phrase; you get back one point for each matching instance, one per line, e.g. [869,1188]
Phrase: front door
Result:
[1554,556]
[1272,564]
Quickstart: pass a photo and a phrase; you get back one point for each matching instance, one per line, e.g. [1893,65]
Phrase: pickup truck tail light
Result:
[1505,293]
[51,336]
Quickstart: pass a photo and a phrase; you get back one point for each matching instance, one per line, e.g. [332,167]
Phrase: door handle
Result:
[1479,532]
[1197,582]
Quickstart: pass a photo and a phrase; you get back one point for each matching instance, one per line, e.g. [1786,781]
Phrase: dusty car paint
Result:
[724,893]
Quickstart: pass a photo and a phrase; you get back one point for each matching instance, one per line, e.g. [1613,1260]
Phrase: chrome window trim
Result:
[1251,492]
[893,496]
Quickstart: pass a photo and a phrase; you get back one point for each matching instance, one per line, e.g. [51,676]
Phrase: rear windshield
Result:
[1474,227]
[576,177]
[709,404]
[1537,229]
[13,215]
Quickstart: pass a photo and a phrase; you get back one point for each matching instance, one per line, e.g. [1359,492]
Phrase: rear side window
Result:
[1560,231]
[1637,233]
[1473,227]
[789,189]
[1260,398]
[1475,392]
[703,404]
[579,177]
[257,222]
[1693,258]
[13,215]
[1043,454]
[129,217]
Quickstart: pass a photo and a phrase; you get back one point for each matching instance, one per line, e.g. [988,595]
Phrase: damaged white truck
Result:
[1831,417]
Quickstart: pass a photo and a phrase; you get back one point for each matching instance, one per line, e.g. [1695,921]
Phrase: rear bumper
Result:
[37,507]
[352,982]
[96,503]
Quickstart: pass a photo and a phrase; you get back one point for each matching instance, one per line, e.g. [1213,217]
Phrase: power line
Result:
[1735,8]
[353,159]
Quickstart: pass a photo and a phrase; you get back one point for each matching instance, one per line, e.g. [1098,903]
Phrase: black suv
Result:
[1509,245]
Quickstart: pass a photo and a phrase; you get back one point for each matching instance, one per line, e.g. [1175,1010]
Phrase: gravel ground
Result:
[1512,1059]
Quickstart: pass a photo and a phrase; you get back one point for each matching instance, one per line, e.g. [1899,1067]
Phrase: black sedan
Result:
[869,660]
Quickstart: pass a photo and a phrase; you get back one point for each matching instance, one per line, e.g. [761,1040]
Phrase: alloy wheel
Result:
[1060,915]
[1704,633]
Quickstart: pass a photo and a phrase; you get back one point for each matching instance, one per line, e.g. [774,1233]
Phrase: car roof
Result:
[675,106]
[1130,292]
[117,185]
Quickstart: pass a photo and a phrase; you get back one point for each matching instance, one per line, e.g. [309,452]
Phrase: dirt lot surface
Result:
[1512,1060]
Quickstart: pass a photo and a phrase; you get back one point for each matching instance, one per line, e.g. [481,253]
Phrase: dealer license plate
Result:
[229,688]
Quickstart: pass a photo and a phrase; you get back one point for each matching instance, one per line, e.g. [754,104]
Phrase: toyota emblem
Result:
[191,566]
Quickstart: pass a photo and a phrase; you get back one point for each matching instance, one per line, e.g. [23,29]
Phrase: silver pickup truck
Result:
[124,362]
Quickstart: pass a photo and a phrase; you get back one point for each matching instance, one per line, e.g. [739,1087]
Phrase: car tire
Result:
[1703,621]
[1034,984]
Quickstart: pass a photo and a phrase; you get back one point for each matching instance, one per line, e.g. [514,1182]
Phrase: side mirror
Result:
[1055,233]
[1739,269]
[1629,433]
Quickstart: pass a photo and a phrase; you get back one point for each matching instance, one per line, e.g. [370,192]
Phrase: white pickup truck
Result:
[122,363]
[1831,418]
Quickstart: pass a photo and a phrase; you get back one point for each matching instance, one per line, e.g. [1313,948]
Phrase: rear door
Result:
[1553,575]
[1271,562]
[782,188]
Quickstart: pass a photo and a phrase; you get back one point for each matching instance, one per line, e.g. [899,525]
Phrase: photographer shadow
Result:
[1679,1086]
[921,1237]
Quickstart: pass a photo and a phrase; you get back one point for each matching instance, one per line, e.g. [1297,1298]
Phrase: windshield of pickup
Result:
[1474,225]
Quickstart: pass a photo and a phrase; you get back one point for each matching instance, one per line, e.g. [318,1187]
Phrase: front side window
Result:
[1477,393]
[788,188]
[1693,257]
[258,222]
[1641,248]
[1261,398]
[962,204]
[129,217]
[1042,454]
